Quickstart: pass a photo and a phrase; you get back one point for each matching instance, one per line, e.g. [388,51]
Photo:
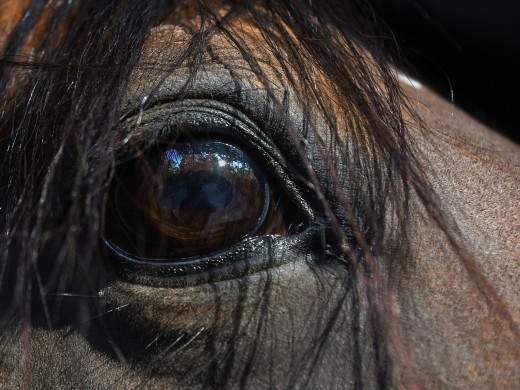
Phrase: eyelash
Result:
[210,120]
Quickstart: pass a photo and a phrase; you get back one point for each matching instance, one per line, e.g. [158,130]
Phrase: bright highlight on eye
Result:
[192,199]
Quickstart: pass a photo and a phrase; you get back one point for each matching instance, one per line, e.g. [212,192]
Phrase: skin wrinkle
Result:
[453,337]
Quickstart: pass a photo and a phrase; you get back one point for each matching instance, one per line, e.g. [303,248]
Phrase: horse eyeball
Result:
[194,198]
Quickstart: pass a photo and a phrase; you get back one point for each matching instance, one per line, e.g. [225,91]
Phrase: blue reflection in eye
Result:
[174,158]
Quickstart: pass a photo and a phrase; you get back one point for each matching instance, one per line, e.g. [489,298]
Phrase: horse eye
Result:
[195,198]
[191,200]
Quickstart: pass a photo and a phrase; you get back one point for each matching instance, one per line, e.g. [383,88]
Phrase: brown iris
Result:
[194,198]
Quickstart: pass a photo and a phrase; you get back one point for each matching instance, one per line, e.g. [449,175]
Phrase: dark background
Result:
[470,47]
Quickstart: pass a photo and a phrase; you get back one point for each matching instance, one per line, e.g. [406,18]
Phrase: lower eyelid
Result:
[250,256]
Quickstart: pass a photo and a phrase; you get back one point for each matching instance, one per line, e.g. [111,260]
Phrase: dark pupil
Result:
[194,198]
[196,191]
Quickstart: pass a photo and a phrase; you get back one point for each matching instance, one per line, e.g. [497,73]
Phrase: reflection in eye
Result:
[192,199]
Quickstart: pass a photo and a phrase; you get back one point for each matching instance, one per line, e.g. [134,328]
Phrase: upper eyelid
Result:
[286,121]
[149,86]
[154,122]
[237,126]
[239,87]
